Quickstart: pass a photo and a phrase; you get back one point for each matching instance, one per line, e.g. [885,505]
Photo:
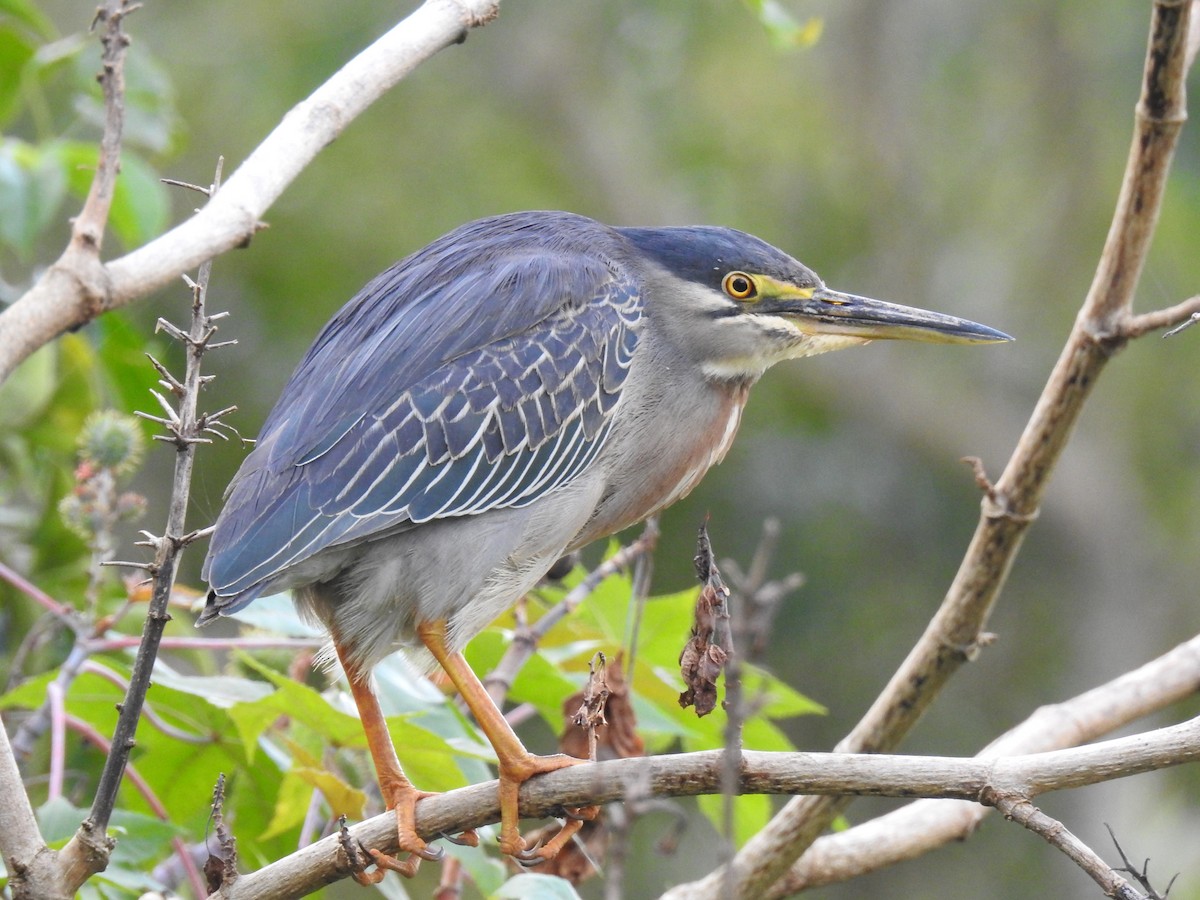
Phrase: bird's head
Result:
[739,305]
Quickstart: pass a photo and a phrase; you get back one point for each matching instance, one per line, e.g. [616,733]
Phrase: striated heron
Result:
[522,386]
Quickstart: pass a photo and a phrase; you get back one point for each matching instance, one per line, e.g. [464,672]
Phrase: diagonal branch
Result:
[1011,505]
[71,294]
[914,830]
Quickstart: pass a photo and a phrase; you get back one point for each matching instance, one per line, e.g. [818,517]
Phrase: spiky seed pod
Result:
[111,440]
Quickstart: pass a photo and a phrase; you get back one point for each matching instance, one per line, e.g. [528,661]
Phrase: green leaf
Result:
[140,838]
[27,13]
[29,389]
[531,886]
[32,187]
[16,50]
[58,819]
[121,350]
[222,691]
[427,757]
[775,699]
[486,871]
[295,796]
[751,812]
[140,205]
[540,681]
[343,799]
[299,703]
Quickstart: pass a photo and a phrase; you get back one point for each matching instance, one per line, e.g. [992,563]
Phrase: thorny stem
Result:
[168,549]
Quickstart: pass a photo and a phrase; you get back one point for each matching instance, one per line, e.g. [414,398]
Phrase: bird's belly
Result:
[648,482]
[465,571]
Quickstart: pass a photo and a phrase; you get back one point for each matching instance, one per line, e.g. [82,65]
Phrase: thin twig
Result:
[143,787]
[1142,875]
[1019,809]
[35,593]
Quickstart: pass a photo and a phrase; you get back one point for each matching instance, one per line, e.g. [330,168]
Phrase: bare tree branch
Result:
[1019,809]
[1011,505]
[689,774]
[922,826]
[75,290]
[26,855]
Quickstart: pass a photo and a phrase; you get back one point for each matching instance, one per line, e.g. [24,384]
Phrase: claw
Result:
[467,839]
[430,853]
[530,856]
[579,813]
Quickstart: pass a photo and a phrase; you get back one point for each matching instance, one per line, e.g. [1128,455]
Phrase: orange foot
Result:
[403,798]
[514,772]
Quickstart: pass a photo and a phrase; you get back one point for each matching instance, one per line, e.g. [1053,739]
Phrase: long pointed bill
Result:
[832,312]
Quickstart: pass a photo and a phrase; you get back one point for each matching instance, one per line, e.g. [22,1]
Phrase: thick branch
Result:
[69,296]
[690,774]
[1012,504]
[26,855]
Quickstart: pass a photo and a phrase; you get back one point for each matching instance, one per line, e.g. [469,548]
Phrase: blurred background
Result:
[961,157]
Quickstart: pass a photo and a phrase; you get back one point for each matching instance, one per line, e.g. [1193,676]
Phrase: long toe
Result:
[403,800]
[514,773]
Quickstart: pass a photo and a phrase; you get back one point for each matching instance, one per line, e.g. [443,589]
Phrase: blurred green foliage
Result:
[961,157]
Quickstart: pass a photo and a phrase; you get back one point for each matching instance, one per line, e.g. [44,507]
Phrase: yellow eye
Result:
[739,286]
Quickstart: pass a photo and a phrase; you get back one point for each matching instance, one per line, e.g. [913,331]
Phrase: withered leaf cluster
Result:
[710,646]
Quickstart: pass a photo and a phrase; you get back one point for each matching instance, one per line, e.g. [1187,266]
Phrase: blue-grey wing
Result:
[514,401]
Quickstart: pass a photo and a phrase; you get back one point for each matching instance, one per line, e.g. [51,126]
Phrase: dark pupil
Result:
[741,286]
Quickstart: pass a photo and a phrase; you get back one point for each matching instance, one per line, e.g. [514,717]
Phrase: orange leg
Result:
[398,792]
[517,765]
